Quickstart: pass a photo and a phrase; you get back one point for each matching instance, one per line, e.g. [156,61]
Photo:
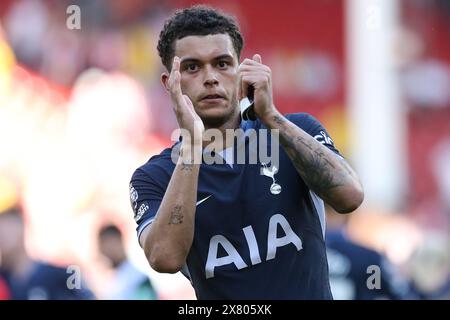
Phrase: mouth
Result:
[212,97]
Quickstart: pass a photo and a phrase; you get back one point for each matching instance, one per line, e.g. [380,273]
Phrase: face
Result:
[209,76]
[112,248]
[11,235]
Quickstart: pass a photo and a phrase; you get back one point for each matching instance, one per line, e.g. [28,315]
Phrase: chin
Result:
[215,118]
[215,114]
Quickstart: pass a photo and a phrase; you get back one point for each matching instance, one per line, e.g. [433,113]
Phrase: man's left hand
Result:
[254,73]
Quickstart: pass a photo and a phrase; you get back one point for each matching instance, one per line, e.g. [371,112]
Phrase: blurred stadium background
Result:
[81,109]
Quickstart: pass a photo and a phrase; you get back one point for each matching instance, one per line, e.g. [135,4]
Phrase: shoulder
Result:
[304,120]
[157,166]
[42,266]
[338,241]
[44,272]
[314,128]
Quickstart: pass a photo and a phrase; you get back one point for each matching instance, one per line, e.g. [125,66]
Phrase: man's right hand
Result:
[168,239]
[188,120]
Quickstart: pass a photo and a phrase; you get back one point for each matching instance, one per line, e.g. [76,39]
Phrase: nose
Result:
[210,77]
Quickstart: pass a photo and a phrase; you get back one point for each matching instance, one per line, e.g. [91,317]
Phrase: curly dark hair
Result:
[198,20]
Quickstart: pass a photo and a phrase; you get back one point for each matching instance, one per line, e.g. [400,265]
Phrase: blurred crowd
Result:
[80,109]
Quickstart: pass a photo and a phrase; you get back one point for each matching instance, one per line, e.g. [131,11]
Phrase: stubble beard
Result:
[218,122]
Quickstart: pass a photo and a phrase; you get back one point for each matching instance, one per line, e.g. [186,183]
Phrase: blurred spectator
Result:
[25,277]
[349,265]
[26,38]
[128,283]
[430,267]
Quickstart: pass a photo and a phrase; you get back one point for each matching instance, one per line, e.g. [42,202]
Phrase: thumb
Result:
[257,58]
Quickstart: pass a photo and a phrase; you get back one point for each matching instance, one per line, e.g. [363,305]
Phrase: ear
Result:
[165,80]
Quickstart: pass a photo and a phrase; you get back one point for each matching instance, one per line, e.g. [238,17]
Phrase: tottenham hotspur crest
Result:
[275,188]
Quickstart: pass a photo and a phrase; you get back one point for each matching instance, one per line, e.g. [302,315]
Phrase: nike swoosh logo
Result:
[198,202]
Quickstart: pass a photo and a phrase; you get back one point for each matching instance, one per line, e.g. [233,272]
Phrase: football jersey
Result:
[360,273]
[46,282]
[259,230]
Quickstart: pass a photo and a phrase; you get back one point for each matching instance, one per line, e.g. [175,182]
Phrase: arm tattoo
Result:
[187,167]
[278,120]
[311,161]
[176,216]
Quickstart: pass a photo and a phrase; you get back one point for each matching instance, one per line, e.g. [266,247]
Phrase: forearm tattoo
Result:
[176,216]
[187,167]
[311,161]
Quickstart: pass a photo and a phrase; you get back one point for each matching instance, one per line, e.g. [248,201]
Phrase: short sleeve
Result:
[146,194]
[314,128]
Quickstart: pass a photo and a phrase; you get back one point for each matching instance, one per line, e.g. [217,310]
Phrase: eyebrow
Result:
[222,56]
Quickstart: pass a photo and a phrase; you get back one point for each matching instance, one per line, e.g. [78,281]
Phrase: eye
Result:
[222,64]
[192,67]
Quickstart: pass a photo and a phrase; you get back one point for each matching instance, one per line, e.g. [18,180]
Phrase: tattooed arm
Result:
[325,173]
[329,176]
[168,239]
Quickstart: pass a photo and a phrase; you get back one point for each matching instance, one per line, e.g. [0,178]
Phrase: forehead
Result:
[204,47]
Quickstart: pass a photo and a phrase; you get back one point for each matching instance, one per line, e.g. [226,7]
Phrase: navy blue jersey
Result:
[259,232]
[45,282]
[353,271]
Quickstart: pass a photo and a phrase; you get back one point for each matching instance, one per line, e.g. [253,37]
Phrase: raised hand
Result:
[191,125]
[254,73]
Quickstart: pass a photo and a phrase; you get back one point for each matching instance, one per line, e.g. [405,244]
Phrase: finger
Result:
[175,64]
[249,62]
[257,58]
[244,87]
[247,81]
[190,109]
[239,86]
[255,66]
[174,80]
[253,78]
[188,104]
[175,72]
